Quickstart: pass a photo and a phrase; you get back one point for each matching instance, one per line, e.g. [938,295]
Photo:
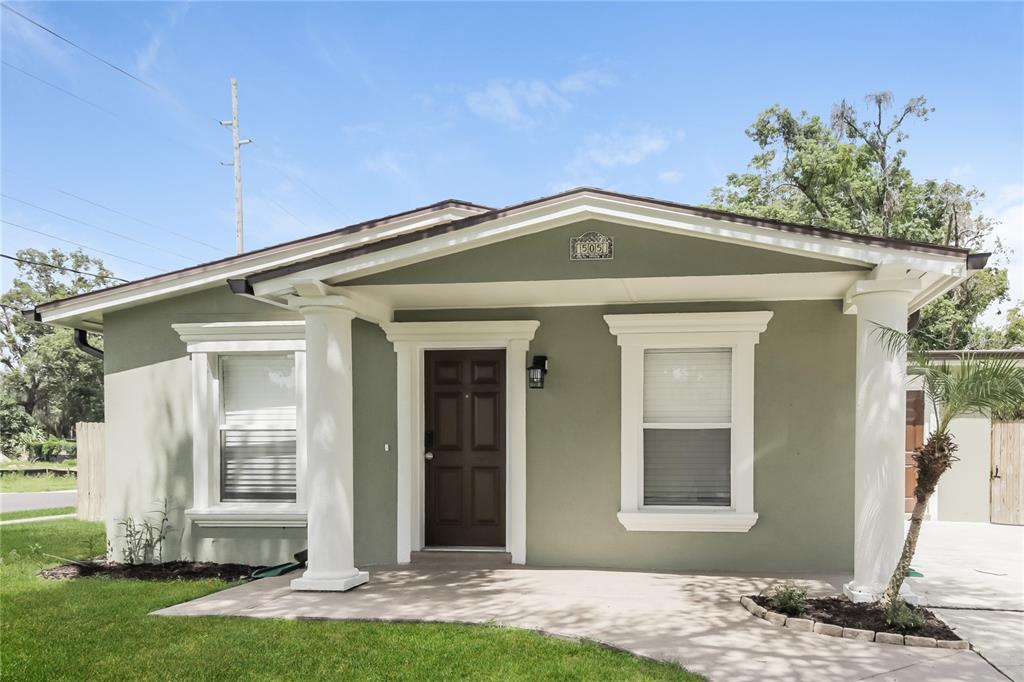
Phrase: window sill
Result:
[248,516]
[683,521]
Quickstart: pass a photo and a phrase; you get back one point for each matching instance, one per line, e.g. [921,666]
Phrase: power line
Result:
[139,220]
[57,87]
[296,178]
[285,210]
[97,227]
[59,267]
[70,42]
[81,246]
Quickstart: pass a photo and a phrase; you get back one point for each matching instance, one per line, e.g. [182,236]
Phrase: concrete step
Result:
[458,557]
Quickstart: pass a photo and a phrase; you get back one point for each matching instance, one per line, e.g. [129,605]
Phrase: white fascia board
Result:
[799,286]
[205,277]
[574,208]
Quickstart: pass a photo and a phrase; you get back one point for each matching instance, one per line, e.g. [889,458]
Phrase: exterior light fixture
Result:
[536,371]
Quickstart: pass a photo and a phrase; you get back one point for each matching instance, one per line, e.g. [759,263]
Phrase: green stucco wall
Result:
[803,474]
[148,391]
[639,252]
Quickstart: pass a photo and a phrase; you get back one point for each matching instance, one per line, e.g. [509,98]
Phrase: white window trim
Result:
[206,341]
[411,340]
[737,331]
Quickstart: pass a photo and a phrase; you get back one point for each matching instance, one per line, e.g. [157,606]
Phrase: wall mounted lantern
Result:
[536,371]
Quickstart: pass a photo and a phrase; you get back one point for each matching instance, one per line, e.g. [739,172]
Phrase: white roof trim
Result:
[216,274]
[527,219]
[576,207]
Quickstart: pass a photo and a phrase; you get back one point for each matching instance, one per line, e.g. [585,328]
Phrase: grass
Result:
[20,483]
[24,464]
[32,513]
[97,628]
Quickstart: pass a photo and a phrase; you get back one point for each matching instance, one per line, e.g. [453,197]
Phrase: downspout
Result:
[82,344]
[81,336]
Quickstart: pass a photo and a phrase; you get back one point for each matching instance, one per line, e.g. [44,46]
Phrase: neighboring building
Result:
[715,397]
[987,482]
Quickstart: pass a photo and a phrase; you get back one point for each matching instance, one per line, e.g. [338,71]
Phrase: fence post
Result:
[92,457]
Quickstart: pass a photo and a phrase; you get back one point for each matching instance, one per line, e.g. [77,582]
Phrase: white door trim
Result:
[411,340]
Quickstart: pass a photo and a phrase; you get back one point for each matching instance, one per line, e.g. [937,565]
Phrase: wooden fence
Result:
[92,470]
[1007,476]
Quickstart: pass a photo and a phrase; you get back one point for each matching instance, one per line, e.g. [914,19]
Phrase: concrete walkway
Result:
[694,620]
[10,502]
[974,580]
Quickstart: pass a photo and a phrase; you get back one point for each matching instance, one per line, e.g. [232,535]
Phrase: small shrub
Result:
[788,599]
[902,616]
[143,540]
[52,449]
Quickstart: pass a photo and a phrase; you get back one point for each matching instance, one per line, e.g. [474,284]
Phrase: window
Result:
[687,424]
[687,444]
[248,445]
[257,428]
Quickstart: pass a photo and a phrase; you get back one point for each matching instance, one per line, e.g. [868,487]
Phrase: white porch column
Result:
[329,445]
[879,435]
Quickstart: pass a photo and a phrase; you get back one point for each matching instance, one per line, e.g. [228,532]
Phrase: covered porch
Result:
[691,619]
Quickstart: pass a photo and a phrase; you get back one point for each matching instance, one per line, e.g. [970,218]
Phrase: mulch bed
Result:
[172,570]
[842,611]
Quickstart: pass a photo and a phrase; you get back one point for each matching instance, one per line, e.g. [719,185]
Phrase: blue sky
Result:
[360,110]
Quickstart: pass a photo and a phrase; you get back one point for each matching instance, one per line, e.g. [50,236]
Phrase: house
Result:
[588,379]
[986,483]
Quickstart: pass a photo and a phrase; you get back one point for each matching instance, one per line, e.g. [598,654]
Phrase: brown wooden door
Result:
[1007,473]
[915,439]
[465,423]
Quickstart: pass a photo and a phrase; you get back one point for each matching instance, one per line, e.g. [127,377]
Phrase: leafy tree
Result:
[849,174]
[993,386]
[43,373]
[1010,337]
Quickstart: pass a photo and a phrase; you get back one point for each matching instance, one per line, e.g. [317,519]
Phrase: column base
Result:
[332,583]
[860,594]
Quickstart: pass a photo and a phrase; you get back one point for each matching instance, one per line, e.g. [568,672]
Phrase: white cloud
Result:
[603,153]
[19,34]
[513,103]
[146,57]
[385,163]
[670,177]
[516,103]
[586,82]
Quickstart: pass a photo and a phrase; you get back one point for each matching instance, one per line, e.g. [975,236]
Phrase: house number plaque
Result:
[591,246]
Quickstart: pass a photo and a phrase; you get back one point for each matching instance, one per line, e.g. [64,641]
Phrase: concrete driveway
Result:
[974,579]
[694,620]
[21,501]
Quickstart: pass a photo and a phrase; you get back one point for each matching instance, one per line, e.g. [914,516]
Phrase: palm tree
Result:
[969,384]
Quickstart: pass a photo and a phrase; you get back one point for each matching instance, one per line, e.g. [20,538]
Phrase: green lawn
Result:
[20,483]
[98,628]
[32,513]
[22,464]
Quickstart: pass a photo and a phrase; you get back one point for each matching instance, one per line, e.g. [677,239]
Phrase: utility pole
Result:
[237,162]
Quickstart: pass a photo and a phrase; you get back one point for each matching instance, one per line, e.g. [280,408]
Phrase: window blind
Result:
[687,467]
[257,443]
[688,386]
[258,390]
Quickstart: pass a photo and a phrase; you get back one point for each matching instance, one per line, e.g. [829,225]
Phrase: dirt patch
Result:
[173,570]
[842,611]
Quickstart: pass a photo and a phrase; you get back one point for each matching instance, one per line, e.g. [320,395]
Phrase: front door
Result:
[465,448]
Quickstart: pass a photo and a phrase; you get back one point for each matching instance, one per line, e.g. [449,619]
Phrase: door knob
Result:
[428,456]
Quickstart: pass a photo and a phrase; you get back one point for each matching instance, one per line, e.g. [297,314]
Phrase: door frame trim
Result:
[411,340]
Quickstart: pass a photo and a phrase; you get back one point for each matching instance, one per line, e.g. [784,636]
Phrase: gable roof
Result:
[447,217]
